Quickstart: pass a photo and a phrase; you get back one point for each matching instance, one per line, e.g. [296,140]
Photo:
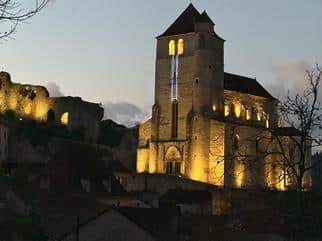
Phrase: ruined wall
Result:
[34,102]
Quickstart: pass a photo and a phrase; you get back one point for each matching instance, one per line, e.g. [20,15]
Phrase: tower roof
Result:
[185,23]
[204,18]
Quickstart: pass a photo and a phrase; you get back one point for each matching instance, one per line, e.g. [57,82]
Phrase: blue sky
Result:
[104,50]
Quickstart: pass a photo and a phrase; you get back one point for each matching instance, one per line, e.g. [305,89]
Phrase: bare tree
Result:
[302,112]
[14,12]
[284,152]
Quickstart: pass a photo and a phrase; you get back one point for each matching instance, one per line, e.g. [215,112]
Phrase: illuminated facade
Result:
[205,121]
[34,102]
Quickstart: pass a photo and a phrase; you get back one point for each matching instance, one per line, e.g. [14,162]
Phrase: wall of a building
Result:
[34,102]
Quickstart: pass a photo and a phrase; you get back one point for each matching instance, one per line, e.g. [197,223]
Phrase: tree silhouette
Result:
[14,12]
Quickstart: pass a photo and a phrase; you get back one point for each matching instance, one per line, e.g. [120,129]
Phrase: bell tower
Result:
[188,82]
[189,71]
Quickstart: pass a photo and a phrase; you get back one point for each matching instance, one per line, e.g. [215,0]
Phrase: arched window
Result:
[236,142]
[180,46]
[174,122]
[64,118]
[172,47]
[238,108]
[227,110]
[259,115]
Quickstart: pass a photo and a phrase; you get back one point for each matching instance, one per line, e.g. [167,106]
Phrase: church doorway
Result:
[173,161]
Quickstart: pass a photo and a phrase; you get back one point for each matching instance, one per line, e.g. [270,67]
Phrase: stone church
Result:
[206,122]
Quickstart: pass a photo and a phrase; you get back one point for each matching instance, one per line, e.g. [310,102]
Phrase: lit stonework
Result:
[34,102]
[219,119]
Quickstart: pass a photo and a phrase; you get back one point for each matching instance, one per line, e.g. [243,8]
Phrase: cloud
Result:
[124,113]
[54,89]
[292,75]
[289,77]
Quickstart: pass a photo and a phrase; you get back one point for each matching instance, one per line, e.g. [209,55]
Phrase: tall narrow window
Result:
[172,47]
[174,122]
[180,46]
[236,142]
[237,107]
[227,110]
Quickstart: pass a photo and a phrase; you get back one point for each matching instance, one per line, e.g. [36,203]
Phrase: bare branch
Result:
[12,13]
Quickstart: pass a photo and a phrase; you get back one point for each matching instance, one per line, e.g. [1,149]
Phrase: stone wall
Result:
[34,102]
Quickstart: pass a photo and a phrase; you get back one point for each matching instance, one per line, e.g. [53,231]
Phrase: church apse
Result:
[34,102]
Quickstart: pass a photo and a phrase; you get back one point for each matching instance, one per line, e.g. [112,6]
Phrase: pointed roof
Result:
[204,18]
[185,23]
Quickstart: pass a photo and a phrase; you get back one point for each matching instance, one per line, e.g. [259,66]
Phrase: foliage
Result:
[302,111]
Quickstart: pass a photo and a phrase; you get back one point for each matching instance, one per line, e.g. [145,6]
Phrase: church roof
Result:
[185,23]
[245,85]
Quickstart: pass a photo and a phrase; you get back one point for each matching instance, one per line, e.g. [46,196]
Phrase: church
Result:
[207,125]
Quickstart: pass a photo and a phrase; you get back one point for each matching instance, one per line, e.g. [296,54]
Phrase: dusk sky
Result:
[104,50]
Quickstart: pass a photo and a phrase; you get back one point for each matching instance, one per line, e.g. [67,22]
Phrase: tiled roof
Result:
[245,85]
